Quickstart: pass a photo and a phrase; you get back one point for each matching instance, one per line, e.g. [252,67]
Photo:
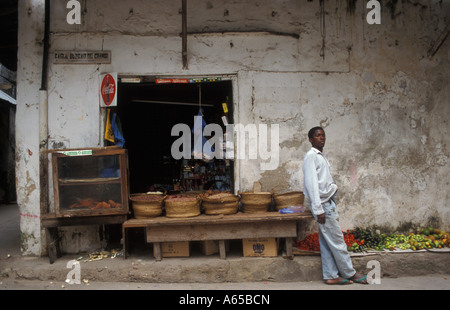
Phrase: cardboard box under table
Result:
[216,227]
[260,247]
[174,249]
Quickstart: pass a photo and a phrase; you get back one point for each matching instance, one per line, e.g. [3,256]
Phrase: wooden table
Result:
[216,227]
[51,223]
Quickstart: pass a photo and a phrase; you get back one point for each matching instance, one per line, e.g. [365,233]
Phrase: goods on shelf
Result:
[222,203]
[210,202]
[95,204]
[256,202]
[197,175]
[285,200]
[182,206]
[91,181]
[147,205]
[293,209]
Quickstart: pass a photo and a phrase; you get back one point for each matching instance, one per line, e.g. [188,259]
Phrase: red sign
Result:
[175,81]
[108,90]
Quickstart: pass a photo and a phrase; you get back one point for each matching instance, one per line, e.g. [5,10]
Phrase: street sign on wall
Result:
[81,57]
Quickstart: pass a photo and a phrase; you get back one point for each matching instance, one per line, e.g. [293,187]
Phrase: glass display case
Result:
[91,181]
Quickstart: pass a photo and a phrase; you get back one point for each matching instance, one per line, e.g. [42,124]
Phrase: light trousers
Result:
[333,249]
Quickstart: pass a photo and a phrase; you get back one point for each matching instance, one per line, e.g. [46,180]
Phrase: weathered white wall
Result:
[27,123]
[383,102]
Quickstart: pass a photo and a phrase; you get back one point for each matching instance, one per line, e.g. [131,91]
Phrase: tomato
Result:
[310,243]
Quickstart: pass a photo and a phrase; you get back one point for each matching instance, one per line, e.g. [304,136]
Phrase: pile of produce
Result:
[361,240]
[94,204]
[310,243]
[426,239]
[146,198]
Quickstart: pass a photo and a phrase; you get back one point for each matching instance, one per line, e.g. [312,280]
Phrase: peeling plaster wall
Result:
[383,102]
[27,123]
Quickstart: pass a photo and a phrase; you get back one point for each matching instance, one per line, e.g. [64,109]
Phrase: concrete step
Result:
[212,269]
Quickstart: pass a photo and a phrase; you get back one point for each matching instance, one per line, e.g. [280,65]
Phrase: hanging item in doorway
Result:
[225,111]
[109,135]
[117,130]
[225,107]
[113,129]
[202,148]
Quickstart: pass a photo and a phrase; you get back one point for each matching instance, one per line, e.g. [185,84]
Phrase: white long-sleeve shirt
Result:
[318,185]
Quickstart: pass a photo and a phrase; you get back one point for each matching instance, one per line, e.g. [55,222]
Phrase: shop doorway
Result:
[148,109]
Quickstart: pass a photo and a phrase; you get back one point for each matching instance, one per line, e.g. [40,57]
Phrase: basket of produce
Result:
[256,202]
[222,203]
[285,200]
[182,206]
[147,205]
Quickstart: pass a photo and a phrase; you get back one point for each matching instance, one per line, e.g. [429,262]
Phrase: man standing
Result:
[320,189]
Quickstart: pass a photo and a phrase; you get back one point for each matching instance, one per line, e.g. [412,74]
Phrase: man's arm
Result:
[311,185]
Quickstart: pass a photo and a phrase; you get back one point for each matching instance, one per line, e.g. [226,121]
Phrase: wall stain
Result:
[392,5]
[351,6]
[275,180]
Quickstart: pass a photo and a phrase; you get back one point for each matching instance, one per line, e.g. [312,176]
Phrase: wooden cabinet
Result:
[90,181]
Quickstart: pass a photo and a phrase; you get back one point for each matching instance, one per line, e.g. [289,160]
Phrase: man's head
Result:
[316,136]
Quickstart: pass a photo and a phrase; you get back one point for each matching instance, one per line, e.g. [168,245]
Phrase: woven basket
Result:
[145,206]
[221,204]
[256,202]
[182,207]
[285,200]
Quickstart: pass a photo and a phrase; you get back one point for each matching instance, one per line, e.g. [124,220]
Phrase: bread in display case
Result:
[91,181]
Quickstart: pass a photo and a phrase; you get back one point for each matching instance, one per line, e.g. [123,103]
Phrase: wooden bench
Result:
[51,223]
[216,227]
